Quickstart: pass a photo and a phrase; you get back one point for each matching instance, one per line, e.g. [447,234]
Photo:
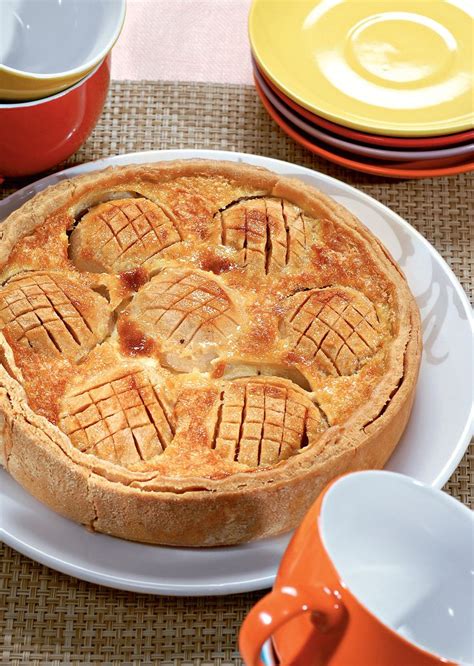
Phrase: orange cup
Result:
[378,574]
[35,136]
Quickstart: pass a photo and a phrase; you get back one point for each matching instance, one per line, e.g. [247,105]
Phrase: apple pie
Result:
[191,350]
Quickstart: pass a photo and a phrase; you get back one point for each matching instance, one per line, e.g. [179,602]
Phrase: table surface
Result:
[49,618]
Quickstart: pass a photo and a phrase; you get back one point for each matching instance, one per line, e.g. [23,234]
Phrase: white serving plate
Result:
[430,449]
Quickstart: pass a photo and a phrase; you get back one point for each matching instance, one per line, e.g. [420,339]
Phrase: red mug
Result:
[35,136]
[378,574]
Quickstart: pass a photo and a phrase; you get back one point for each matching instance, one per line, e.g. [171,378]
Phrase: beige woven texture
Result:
[49,618]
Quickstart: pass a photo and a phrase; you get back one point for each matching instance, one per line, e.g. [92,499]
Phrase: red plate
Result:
[415,170]
[374,139]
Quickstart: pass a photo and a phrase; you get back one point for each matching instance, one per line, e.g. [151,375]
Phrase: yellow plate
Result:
[392,67]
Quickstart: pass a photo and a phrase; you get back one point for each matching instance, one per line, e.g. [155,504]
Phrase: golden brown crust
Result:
[264,342]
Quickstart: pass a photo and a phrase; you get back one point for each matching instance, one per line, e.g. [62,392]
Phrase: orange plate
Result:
[372,167]
[364,137]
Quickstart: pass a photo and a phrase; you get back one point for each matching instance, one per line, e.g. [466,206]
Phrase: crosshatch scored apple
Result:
[192,350]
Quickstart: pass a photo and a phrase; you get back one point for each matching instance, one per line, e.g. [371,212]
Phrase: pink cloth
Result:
[184,40]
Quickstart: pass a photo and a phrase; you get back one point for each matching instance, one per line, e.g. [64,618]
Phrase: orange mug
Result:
[34,136]
[379,573]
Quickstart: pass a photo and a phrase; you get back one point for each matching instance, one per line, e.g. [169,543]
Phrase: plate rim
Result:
[353,162]
[358,148]
[129,584]
[456,138]
[265,581]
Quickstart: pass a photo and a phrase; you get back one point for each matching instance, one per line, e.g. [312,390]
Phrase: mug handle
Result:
[282,605]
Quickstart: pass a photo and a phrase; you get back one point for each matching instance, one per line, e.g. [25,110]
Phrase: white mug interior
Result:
[84,31]
[406,552]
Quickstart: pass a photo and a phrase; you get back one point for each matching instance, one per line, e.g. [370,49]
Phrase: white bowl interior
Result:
[406,552]
[48,37]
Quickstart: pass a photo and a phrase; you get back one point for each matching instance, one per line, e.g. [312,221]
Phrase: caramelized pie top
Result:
[197,325]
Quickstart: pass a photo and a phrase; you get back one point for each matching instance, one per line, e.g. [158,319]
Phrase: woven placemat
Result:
[49,618]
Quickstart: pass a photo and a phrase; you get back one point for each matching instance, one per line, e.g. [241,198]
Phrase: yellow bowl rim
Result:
[43,100]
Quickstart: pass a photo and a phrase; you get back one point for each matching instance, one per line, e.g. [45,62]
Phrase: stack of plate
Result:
[380,86]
